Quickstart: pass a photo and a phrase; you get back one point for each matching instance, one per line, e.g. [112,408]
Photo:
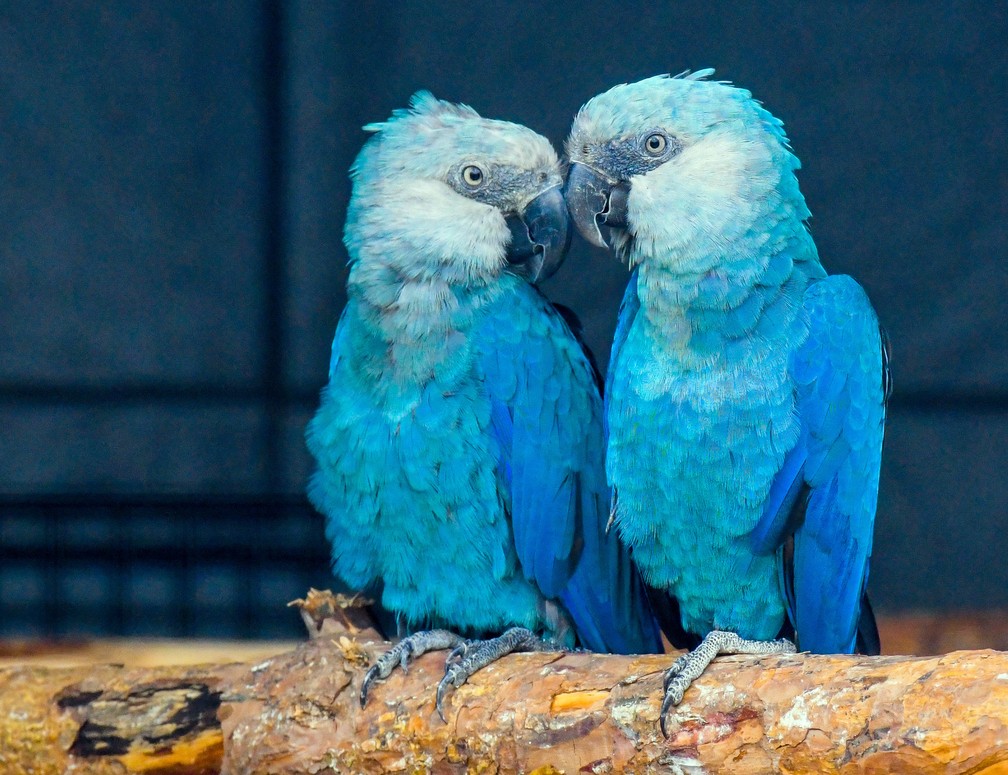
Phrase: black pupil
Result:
[474,175]
[654,143]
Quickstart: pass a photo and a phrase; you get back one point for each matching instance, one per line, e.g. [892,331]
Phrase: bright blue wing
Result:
[825,494]
[337,345]
[627,313]
[538,478]
[547,418]
[628,309]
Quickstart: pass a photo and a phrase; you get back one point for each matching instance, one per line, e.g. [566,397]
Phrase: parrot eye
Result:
[473,176]
[655,144]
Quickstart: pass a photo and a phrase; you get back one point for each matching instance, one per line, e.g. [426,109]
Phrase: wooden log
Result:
[297,712]
[581,713]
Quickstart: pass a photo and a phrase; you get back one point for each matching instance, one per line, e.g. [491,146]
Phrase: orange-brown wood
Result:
[297,712]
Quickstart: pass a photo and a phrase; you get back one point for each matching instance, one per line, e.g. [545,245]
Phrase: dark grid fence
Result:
[188,563]
[157,567]
[171,270]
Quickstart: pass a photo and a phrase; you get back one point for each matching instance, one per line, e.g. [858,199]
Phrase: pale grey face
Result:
[458,190]
[663,159]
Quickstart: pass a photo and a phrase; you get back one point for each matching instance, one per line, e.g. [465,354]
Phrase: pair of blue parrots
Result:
[468,469]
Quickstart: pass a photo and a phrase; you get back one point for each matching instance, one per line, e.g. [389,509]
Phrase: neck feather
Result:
[715,300]
[417,328]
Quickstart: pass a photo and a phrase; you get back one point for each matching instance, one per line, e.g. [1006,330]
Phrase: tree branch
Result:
[297,712]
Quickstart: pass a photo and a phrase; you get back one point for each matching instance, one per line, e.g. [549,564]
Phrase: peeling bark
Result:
[297,712]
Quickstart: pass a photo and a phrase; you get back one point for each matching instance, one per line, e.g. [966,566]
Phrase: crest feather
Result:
[425,104]
[698,75]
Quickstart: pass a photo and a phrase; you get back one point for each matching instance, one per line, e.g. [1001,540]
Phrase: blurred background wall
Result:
[173,181]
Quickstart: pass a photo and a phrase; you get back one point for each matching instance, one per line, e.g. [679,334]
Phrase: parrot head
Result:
[441,192]
[675,167]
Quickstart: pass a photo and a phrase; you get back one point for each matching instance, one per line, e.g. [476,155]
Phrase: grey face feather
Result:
[622,158]
[505,187]
[724,160]
[434,189]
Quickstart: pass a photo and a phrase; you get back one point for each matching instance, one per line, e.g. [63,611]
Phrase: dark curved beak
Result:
[540,236]
[593,199]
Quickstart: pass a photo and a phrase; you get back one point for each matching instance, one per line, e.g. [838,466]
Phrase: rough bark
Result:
[297,712]
[576,713]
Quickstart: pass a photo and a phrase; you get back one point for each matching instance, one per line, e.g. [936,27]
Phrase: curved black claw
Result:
[382,668]
[454,676]
[457,653]
[673,671]
[666,706]
[369,678]
[401,653]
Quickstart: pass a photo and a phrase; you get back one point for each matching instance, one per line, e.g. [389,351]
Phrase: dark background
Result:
[173,180]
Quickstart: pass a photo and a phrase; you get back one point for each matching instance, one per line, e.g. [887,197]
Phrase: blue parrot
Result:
[459,440]
[746,389]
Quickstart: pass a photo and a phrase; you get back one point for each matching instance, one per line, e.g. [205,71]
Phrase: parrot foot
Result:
[408,648]
[468,658]
[691,665]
